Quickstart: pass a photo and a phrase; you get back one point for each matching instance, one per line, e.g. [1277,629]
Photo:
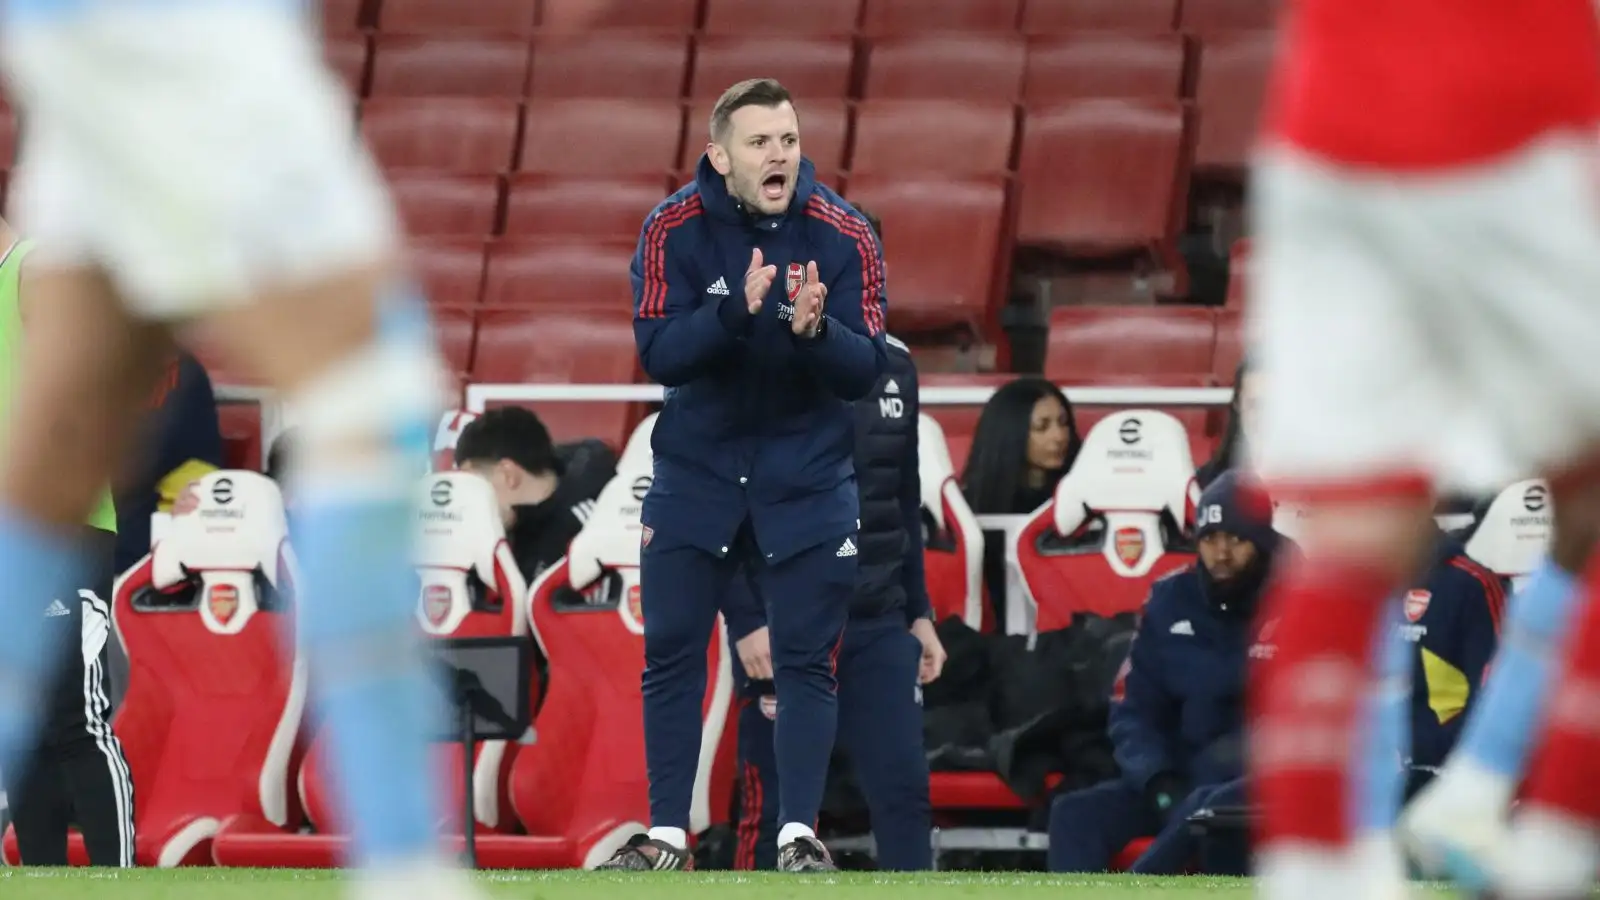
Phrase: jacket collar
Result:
[721,205]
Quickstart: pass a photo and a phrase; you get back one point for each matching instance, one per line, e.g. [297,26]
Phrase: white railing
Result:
[480,395]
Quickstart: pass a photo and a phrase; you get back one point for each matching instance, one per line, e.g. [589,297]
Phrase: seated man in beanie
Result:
[1177,711]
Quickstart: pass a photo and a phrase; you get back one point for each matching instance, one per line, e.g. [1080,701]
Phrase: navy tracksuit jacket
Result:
[1178,709]
[880,713]
[753,469]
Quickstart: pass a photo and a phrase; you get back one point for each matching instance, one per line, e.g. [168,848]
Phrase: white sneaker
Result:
[1379,868]
[1453,828]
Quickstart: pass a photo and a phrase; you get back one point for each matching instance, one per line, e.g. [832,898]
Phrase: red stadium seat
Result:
[446,205]
[765,16]
[1111,528]
[470,587]
[941,240]
[1238,273]
[606,64]
[1211,16]
[1230,345]
[651,15]
[450,269]
[341,18]
[1155,343]
[454,327]
[641,137]
[1104,65]
[448,67]
[900,16]
[213,707]
[824,127]
[1067,16]
[946,67]
[918,137]
[579,208]
[493,18]
[347,57]
[563,275]
[1102,177]
[811,67]
[458,136]
[1231,89]
[582,343]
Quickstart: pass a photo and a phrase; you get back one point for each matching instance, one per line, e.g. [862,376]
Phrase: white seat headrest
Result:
[935,467]
[1136,460]
[611,536]
[460,536]
[236,528]
[1515,530]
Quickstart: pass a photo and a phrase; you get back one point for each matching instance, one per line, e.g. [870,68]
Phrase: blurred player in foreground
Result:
[192,163]
[1428,231]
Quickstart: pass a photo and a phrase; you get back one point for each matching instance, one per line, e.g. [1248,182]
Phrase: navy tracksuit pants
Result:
[1088,828]
[807,599]
[880,729]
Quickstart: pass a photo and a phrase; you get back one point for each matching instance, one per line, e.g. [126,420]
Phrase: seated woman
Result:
[1025,441]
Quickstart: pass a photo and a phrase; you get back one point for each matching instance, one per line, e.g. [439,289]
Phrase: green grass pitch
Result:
[292,884]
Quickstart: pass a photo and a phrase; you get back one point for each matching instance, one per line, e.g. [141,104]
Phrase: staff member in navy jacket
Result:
[890,647]
[1177,713]
[752,448]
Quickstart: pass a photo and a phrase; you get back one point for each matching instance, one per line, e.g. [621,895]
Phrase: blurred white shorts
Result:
[1442,325]
[200,153]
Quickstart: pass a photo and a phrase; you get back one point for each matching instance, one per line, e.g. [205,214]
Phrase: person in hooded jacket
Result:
[1177,711]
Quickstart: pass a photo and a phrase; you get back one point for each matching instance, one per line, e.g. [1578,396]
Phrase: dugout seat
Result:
[1513,534]
[1230,91]
[1114,524]
[407,66]
[341,18]
[811,67]
[823,136]
[581,796]
[581,208]
[946,67]
[836,17]
[446,205]
[470,587]
[213,708]
[1072,67]
[1070,16]
[1151,343]
[632,65]
[449,268]
[446,435]
[884,17]
[953,549]
[1103,178]
[494,18]
[943,239]
[642,137]
[444,135]
[922,137]
[544,274]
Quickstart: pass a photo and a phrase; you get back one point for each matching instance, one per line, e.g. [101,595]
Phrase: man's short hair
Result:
[752,92]
[877,227]
[508,432]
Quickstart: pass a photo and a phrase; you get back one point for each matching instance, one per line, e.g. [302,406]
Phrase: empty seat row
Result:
[645,66]
[875,17]
[608,138]
[1174,346]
